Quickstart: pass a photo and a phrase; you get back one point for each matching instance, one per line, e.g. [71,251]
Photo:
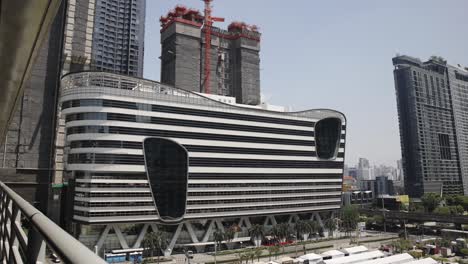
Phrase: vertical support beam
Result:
[154,227]
[120,237]
[247,222]
[141,236]
[208,232]
[219,224]
[171,245]
[102,237]
[2,220]
[293,219]
[319,219]
[192,234]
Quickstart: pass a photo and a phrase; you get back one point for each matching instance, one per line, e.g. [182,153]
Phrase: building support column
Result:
[141,236]
[171,245]
[120,237]
[102,238]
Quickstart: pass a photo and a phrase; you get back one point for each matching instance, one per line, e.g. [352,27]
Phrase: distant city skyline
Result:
[315,55]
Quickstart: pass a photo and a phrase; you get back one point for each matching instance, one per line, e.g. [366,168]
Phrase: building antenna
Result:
[207,25]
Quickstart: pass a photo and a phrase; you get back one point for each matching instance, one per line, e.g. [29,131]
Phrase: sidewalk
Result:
[314,247]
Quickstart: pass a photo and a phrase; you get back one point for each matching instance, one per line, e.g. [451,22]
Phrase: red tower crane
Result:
[208,23]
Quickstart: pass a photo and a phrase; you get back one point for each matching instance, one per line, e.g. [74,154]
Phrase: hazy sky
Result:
[337,54]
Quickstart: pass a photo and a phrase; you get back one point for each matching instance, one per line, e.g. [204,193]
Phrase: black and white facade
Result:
[141,152]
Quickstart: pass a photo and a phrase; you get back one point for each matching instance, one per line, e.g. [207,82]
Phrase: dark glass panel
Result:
[167,171]
[327,137]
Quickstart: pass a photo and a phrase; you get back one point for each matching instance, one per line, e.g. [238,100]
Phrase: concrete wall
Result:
[26,155]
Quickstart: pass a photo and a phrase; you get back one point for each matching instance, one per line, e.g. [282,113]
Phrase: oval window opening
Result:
[166,164]
[327,137]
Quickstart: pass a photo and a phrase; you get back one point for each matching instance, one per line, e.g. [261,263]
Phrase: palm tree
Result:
[331,225]
[281,232]
[218,236]
[230,234]
[349,219]
[256,233]
[302,229]
[155,241]
[314,227]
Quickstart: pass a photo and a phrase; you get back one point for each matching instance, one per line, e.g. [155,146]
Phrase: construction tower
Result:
[200,57]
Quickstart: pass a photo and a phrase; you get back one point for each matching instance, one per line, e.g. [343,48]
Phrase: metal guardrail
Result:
[111,83]
[25,232]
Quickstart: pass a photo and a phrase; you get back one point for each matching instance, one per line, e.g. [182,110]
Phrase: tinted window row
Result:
[113,194]
[179,134]
[109,204]
[260,184]
[180,122]
[261,200]
[105,158]
[237,176]
[253,207]
[181,110]
[113,214]
[191,148]
[267,192]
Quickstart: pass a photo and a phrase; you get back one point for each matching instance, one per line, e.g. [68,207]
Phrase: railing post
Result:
[36,247]
[2,210]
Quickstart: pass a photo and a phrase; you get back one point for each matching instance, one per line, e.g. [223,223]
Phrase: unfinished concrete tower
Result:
[234,64]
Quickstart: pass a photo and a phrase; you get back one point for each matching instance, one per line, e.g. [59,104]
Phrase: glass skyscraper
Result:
[118,36]
[105,35]
[432,100]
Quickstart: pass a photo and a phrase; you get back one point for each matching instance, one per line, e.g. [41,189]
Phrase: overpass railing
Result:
[25,233]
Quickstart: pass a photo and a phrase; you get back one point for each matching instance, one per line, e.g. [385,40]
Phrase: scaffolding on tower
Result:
[208,23]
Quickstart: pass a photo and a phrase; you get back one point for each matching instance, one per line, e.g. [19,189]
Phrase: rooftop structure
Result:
[356,258]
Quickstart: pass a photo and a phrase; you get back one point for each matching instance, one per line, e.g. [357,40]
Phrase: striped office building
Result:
[143,152]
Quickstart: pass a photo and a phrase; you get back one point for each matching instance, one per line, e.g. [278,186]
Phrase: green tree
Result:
[401,245]
[256,232]
[415,254]
[302,228]
[464,251]
[230,234]
[281,233]
[331,225]
[155,242]
[314,228]
[349,219]
[416,207]
[430,201]
[218,236]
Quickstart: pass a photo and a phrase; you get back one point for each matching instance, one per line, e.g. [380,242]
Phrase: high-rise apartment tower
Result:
[432,100]
[105,35]
[235,61]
